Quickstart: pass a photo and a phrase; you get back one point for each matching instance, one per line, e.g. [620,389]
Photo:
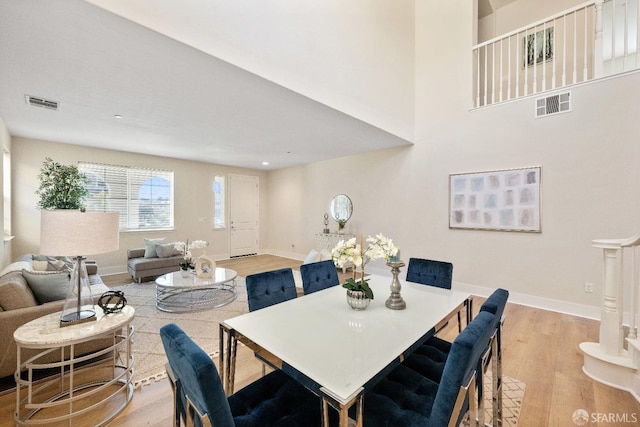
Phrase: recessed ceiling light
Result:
[265,163]
[117,116]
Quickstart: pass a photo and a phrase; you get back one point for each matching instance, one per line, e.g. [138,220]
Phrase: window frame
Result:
[126,184]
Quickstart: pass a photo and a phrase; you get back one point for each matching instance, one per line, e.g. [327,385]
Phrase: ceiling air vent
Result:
[35,101]
[554,104]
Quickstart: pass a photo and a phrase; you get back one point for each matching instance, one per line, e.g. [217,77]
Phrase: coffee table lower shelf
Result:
[176,300]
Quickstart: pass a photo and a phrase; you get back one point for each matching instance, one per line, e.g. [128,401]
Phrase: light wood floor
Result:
[539,347]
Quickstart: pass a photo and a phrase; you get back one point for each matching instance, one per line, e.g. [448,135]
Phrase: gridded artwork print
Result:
[506,200]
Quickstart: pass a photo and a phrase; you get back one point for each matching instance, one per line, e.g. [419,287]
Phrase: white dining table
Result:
[334,350]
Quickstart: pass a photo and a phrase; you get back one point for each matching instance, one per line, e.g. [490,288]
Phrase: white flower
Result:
[186,248]
[380,247]
[198,244]
[350,252]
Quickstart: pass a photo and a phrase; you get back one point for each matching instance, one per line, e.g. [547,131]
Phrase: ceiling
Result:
[174,100]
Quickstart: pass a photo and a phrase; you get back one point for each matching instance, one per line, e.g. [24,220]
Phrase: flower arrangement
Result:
[186,248]
[351,252]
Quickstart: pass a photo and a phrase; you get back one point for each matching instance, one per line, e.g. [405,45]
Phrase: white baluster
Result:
[501,66]
[486,77]
[575,47]
[509,69]
[564,50]
[598,64]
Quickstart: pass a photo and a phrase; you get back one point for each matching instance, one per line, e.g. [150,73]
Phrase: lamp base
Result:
[77,317]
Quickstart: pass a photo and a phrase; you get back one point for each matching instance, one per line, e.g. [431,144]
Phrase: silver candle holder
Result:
[395,301]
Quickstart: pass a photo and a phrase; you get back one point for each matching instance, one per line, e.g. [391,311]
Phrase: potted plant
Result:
[359,294]
[61,187]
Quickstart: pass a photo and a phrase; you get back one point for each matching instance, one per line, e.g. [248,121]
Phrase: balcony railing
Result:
[594,39]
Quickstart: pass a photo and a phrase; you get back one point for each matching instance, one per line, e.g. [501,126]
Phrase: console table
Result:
[95,386]
[329,240]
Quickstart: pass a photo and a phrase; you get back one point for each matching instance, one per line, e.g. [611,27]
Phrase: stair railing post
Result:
[611,330]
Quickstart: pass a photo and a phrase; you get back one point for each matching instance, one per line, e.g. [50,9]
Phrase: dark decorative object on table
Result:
[112,302]
[326,224]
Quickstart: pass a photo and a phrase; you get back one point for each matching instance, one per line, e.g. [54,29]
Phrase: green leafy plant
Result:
[359,285]
[61,186]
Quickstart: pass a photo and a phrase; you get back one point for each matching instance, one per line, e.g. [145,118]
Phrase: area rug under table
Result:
[201,326]
[512,396]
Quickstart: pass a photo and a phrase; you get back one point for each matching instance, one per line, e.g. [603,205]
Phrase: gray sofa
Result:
[141,268]
[19,305]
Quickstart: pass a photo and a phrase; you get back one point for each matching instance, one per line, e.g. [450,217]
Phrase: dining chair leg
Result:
[227,359]
[497,377]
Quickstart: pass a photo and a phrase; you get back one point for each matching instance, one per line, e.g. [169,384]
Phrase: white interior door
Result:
[243,214]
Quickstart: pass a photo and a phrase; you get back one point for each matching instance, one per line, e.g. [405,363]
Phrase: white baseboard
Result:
[581,310]
[284,254]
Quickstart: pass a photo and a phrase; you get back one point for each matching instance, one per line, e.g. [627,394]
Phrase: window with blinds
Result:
[144,197]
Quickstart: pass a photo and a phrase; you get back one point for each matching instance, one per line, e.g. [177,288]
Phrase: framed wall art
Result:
[505,200]
[538,47]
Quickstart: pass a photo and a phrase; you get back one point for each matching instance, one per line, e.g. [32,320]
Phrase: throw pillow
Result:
[39,265]
[325,255]
[47,286]
[314,256]
[167,250]
[150,247]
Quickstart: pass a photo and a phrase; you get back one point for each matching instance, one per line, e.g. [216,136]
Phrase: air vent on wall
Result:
[554,104]
[35,101]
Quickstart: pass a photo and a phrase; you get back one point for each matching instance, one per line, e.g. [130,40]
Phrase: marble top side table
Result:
[80,388]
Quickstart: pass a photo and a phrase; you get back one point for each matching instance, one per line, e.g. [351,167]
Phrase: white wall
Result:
[589,160]
[355,56]
[193,198]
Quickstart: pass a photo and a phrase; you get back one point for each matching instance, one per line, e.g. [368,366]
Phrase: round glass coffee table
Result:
[176,294]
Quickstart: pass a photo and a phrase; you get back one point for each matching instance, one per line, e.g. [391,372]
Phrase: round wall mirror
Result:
[341,209]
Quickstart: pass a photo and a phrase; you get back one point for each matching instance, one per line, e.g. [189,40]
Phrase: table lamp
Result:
[77,233]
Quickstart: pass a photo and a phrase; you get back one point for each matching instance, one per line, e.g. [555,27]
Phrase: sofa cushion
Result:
[167,250]
[47,286]
[14,292]
[150,247]
[142,264]
[51,263]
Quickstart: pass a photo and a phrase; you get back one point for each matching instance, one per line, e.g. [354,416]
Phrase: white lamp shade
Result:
[74,233]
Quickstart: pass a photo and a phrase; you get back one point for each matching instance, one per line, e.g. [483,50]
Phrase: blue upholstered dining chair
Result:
[405,397]
[318,275]
[495,305]
[273,400]
[432,273]
[429,358]
[269,288]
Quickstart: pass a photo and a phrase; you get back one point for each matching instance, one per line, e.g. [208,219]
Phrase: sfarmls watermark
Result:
[582,417]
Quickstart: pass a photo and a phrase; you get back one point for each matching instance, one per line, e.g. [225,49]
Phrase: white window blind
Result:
[218,202]
[144,197]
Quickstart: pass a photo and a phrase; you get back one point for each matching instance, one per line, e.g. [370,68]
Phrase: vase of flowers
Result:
[359,294]
[187,265]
